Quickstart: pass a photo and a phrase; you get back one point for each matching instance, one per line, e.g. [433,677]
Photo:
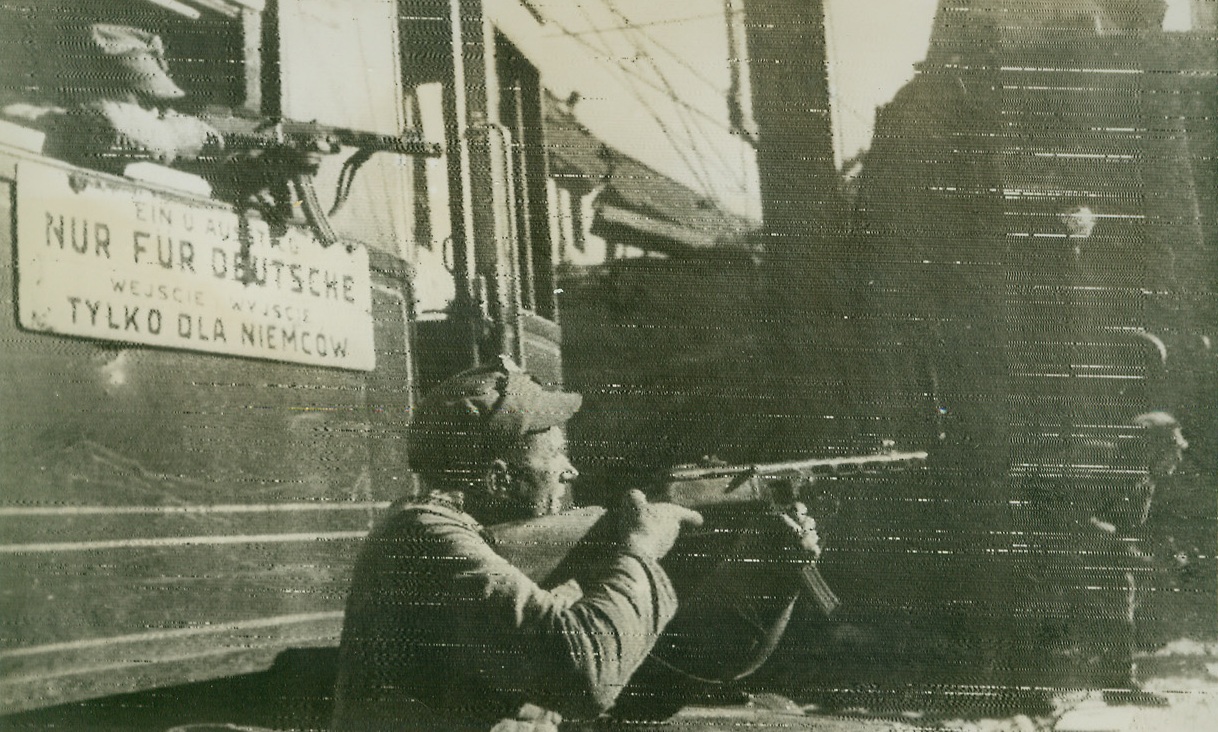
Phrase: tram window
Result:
[520,112]
[204,45]
[357,82]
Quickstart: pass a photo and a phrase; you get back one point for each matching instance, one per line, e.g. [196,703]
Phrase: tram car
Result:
[202,388]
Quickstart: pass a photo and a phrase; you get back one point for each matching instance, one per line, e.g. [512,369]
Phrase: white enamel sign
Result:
[122,263]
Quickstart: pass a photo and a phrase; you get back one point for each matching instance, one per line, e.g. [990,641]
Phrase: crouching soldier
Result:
[443,632]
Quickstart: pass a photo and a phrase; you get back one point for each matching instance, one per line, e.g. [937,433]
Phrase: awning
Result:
[638,205]
[608,217]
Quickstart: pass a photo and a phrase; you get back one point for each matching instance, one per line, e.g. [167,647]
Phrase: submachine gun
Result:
[740,504]
[720,492]
[270,165]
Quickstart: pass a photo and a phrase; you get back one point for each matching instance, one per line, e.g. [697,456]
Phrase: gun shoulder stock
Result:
[540,546]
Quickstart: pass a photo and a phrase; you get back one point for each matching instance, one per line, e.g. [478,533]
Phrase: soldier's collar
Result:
[452,500]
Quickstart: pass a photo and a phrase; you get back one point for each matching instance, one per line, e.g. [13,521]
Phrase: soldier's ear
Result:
[499,479]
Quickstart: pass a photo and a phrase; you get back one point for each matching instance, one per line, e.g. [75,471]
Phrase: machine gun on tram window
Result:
[270,165]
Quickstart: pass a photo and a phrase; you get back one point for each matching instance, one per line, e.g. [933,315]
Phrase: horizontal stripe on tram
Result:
[170,510]
[161,635]
[185,541]
[14,681]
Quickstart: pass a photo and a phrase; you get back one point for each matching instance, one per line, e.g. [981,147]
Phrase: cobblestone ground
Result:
[1184,674]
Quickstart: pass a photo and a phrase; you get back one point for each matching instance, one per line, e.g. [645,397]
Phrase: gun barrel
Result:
[410,142]
[243,132]
[883,462]
[403,145]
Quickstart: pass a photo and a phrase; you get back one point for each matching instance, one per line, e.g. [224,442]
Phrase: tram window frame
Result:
[212,49]
[521,112]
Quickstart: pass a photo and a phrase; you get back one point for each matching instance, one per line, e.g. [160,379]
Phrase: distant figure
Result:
[123,117]
[1129,521]
[1105,540]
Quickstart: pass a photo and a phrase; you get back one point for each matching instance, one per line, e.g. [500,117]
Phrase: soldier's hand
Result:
[652,528]
[803,527]
[313,149]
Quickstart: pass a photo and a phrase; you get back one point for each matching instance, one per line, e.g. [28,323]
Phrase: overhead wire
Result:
[568,33]
[666,21]
[702,175]
[737,181]
[655,42]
